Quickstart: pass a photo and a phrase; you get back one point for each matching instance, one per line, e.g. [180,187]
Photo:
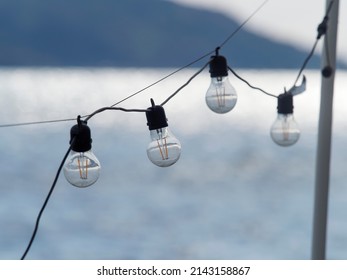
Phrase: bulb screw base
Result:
[80,137]
[156,117]
[218,66]
[285,103]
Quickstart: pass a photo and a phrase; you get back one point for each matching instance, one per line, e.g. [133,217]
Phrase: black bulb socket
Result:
[218,66]
[156,117]
[285,104]
[80,137]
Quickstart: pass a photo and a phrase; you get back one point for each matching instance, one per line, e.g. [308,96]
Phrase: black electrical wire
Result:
[163,78]
[45,204]
[306,61]
[112,107]
[59,171]
[253,87]
[196,60]
[115,109]
[321,31]
[38,122]
[155,83]
[322,28]
[243,23]
[184,85]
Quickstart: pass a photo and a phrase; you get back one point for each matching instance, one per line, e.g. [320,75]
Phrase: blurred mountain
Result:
[127,33]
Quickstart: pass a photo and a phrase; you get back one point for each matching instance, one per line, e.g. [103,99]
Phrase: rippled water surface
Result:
[233,194]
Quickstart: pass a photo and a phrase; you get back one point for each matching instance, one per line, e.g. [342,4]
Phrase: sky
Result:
[290,21]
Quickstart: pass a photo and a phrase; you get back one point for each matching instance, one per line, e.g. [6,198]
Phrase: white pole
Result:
[324,136]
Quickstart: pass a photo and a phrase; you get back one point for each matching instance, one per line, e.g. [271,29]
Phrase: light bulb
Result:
[164,149]
[221,96]
[81,168]
[285,131]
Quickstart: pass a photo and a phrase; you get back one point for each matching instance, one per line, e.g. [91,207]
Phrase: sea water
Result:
[233,194]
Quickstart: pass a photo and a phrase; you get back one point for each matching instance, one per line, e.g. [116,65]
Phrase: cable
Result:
[322,28]
[59,171]
[200,58]
[306,61]
[114,108]
[183,86]
[45,204]
[153,84]
[244,23]
[38,122]
[253,87]
[68,151]
[163,78]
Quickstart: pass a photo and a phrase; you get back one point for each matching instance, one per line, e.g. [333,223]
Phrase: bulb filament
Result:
[164,152]
[286,129]
[162,145]
[220,93]
[83,167]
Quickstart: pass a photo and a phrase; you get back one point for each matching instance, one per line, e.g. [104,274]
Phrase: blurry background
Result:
[158,33]
[233,194]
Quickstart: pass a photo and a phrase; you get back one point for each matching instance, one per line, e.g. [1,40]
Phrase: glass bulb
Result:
[82,169]
[221,96]
[285,131]
[164,149]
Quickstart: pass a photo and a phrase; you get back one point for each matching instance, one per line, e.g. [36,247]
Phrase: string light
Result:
[285,131]
[164,149]
[221,96]
[81,167]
